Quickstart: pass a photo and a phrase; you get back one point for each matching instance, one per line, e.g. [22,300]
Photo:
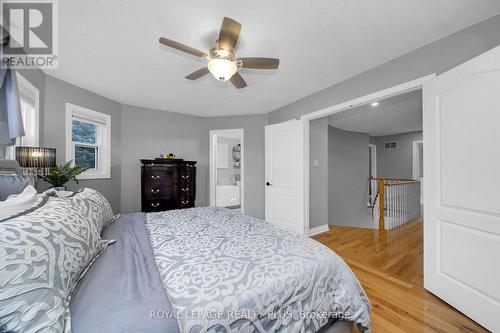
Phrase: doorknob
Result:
[268,184]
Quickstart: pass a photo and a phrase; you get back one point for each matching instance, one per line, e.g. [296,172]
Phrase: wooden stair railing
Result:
[381,195]
[382,183]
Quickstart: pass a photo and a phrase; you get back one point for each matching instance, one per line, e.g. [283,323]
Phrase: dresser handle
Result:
[185,177]
[155,191]
[185,189]
[155,204]
[155,177]
[185,202]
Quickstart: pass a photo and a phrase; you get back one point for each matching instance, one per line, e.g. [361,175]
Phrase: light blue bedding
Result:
[234,273]
[122,291]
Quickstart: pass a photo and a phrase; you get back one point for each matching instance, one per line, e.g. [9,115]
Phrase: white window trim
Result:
[104,152]
[32,134]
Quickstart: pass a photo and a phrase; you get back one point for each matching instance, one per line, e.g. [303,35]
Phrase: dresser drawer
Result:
[159,205]
[158,175]
[185,190]
[160,191]
[185,202]
[185,179]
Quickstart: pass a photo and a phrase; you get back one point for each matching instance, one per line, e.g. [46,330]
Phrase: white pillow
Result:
[16,203]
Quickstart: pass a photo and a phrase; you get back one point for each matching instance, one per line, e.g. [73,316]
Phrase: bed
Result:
[191,270]
[156,252]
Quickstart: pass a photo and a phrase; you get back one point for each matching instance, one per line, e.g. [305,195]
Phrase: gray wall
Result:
[148,133]
[436,57]
[398,162]
[57,94]
[254,148]
[318,212]
[348,170]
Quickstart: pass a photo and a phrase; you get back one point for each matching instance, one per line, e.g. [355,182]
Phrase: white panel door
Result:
[462,182]
[284,175]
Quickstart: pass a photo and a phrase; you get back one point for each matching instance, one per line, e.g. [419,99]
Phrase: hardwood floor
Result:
[398,252]
[389,265]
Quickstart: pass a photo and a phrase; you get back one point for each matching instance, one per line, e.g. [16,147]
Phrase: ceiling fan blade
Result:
[197,74]
[229,34]
[260,63]
[238,81]
[182,47]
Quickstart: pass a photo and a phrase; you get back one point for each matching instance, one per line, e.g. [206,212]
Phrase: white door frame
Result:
[416,168]
[374,159]
[236,133]
[416,159]
[385,93]
[373,172]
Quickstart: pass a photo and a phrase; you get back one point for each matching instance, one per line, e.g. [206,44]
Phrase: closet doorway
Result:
[227,169]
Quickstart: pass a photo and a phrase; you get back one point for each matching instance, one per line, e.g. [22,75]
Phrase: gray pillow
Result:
[43,254]
[12,183]
[96,206]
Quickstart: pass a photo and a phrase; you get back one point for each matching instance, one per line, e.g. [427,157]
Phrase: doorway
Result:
[227,169]
[346,107]
[369,142]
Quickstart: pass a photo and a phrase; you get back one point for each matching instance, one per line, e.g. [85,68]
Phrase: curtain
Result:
[11,120]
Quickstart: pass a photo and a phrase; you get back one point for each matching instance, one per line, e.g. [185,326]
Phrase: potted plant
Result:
[59,176]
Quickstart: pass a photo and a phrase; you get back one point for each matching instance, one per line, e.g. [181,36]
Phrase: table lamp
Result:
[36,160]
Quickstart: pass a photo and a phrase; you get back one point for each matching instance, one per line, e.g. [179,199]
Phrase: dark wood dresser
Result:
[167,184]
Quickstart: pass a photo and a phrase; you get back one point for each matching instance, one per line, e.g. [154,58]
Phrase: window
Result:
[29,97]
[88,141]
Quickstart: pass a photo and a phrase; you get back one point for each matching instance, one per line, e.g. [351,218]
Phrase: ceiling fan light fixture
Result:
[222,69]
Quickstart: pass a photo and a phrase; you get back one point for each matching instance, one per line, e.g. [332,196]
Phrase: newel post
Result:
[381,191]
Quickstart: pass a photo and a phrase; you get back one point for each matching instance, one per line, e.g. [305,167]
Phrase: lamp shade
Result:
[36,157]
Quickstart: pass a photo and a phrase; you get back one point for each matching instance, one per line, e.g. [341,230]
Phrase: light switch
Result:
[315,163]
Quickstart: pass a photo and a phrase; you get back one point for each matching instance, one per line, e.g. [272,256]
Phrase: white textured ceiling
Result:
[397,114]
[111,46]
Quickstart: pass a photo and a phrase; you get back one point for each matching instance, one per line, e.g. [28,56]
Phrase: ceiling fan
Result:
[222,61]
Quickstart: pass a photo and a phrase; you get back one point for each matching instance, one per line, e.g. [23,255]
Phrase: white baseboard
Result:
[318,230]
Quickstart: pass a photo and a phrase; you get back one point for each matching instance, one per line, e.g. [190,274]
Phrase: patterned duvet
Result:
[235,273]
